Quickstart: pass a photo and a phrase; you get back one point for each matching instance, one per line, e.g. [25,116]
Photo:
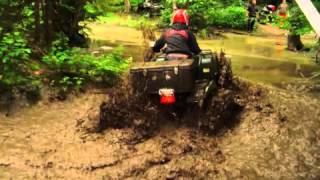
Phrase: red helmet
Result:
[181,16]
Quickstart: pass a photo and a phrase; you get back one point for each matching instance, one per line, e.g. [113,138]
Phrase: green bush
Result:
[73,67]
[15,65]
[100,7]
[231,17]
[63,66]
[136,2]
[128,21]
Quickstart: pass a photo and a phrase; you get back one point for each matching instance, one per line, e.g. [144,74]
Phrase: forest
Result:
[72,105]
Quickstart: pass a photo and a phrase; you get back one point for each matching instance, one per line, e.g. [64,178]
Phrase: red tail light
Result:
[166,100]
[167,96]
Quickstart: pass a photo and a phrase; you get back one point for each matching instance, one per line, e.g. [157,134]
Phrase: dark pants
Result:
[251,21]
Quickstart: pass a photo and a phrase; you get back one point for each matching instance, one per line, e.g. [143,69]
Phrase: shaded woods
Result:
[39,47]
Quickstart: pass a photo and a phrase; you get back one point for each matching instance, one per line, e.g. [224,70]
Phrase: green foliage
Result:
[68,83]
[136,2]
[231,17]
[74,67]
[222,13]
[104,6]
[15,66]
[296,22]
[51,29]
[91,10]
[129,21]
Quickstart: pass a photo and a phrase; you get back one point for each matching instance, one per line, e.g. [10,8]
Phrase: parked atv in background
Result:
[152,7]
[265,15]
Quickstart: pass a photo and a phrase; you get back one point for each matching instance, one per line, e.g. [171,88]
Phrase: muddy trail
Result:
[263,133]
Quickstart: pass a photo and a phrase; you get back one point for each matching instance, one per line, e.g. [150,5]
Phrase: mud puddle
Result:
[252,56]
[273,135]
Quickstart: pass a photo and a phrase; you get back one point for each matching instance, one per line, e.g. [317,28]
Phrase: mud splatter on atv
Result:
[130,105]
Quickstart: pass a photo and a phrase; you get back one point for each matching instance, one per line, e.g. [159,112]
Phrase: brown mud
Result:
[264,133]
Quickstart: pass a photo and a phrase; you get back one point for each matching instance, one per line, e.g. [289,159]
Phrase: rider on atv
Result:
[181,42]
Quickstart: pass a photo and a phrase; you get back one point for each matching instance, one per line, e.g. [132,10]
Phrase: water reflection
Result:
[260,59]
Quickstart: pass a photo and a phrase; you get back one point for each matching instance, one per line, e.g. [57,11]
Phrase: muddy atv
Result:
[190,91]
[188,81]
[265,15]
[152,7]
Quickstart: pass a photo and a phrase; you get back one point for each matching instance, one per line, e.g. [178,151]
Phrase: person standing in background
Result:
[252,13]
[283,9]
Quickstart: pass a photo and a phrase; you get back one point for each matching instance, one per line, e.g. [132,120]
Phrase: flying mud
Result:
[126,107]
[248,131]
[130,105]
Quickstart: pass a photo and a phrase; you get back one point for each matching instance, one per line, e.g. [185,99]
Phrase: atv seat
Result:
[177,56]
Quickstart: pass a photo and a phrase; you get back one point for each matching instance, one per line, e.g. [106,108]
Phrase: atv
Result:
[266,14]
[182,81]
[152,7]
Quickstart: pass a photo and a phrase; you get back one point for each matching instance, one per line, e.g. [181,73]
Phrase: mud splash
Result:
[271,134]
[125,107]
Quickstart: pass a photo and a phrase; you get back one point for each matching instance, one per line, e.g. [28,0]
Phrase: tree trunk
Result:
[127,6]
[37,21]
[295,43]
[48,11]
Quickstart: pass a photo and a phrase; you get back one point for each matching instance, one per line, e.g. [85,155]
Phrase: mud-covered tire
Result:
[225,71]
[220,111]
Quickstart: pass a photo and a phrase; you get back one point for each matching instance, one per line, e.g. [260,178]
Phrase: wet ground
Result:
[274,136]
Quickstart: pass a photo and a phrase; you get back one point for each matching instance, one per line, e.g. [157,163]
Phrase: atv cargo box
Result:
[176,74]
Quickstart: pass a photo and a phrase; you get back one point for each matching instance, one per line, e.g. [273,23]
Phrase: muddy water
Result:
[275,137]
[113,36]
[263,59]
[260,59]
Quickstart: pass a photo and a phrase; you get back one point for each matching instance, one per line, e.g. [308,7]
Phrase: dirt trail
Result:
[265,140]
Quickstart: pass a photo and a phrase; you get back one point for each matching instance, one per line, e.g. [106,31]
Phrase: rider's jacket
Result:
[179,39]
